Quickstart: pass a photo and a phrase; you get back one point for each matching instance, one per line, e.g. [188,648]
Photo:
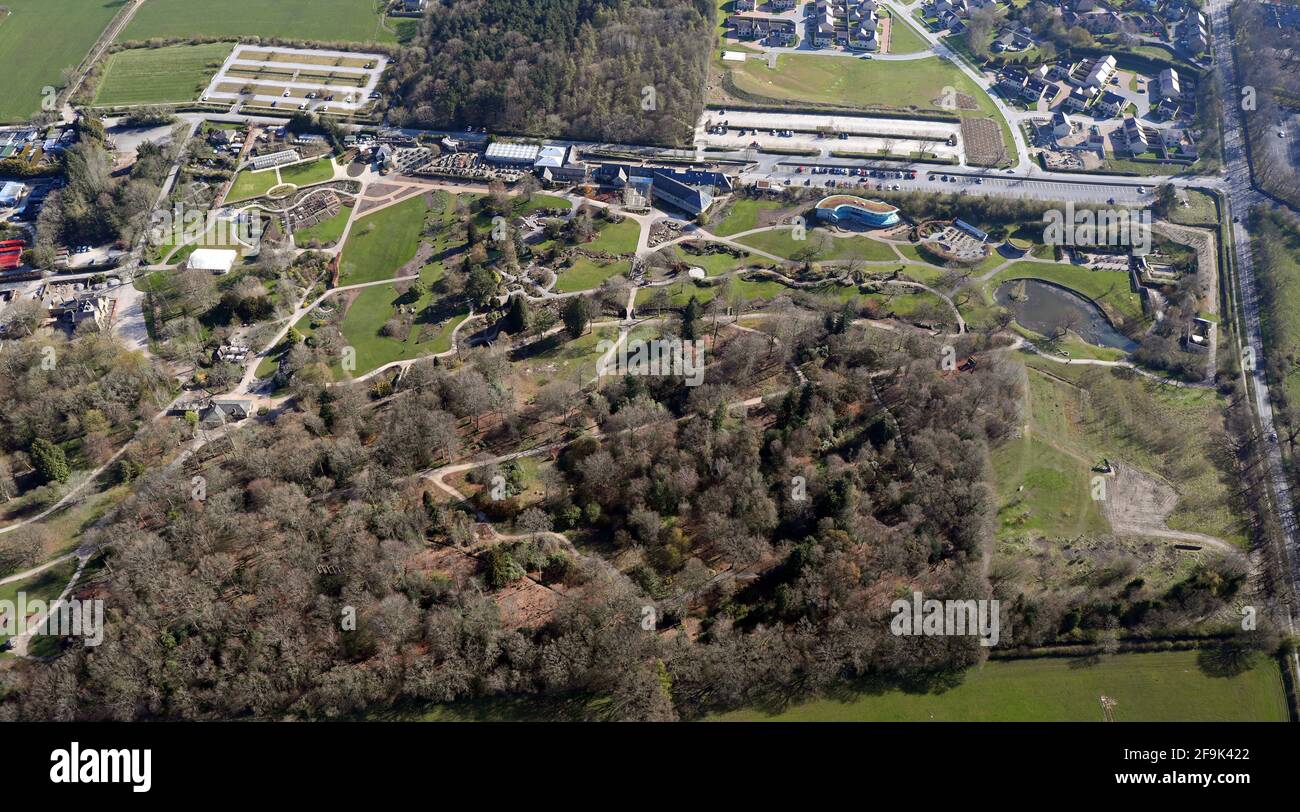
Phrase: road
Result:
[1241,197]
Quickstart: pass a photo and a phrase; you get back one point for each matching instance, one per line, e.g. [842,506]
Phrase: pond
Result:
[1045,308]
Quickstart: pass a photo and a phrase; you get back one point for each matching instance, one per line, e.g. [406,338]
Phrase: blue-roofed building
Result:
[692,191]
[971,230]
[691,199]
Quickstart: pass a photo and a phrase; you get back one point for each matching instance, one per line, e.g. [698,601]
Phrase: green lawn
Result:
[587,274]
[780,241]
[324,20]
[156,75]
[249,184]
[38,40]
[903,38]
[717,264]
[1094,414]
[1199,211]
[914,83]
[743,216]
[308,172]
[382,242]
[45,586]
[617,238]
[375,305]
[1147,687]
[561,357]
[326,233]
[1277,257]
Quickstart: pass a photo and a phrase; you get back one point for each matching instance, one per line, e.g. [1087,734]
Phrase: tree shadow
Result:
[1229,658]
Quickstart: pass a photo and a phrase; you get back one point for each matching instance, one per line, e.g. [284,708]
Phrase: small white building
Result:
[216,260]
[11,193]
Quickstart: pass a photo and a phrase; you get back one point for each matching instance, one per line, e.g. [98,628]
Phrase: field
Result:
[903,38]
[156,75]
[372,307]
[587,274]
[249,184]
[1147,687]
[616,238]
[38,40]
[1075,418]
[326,233]
[313,20]
[44,586]
[743,215]
[305,174]
[679,293]
[382,242]
[720,263]
[915,84]
[1277,251]
[1199,211]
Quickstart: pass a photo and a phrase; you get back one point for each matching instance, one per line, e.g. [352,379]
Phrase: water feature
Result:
[1046,308]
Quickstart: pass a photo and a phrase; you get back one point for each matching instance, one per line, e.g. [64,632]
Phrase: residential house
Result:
[1109,104]
[1136,137]
[773,30]
[1036,88]
[1080,98]
[1167,86]
[1061,125]
[1101,21]
[1099,72]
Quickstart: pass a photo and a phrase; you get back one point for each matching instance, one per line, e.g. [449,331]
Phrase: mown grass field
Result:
[324,20]
[382,242]
[249,184]
[305,174]
[679,293]
[375,305]
[720,263]
[587,274]
[1277,258]
[155,75]
[45,586]
[38,40]
[903,38]
[743,216]
[1199,211]
[616,238]
[1089,414]
[1147,687]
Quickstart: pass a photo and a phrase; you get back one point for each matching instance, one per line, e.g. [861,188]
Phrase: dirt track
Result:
[1138,503]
